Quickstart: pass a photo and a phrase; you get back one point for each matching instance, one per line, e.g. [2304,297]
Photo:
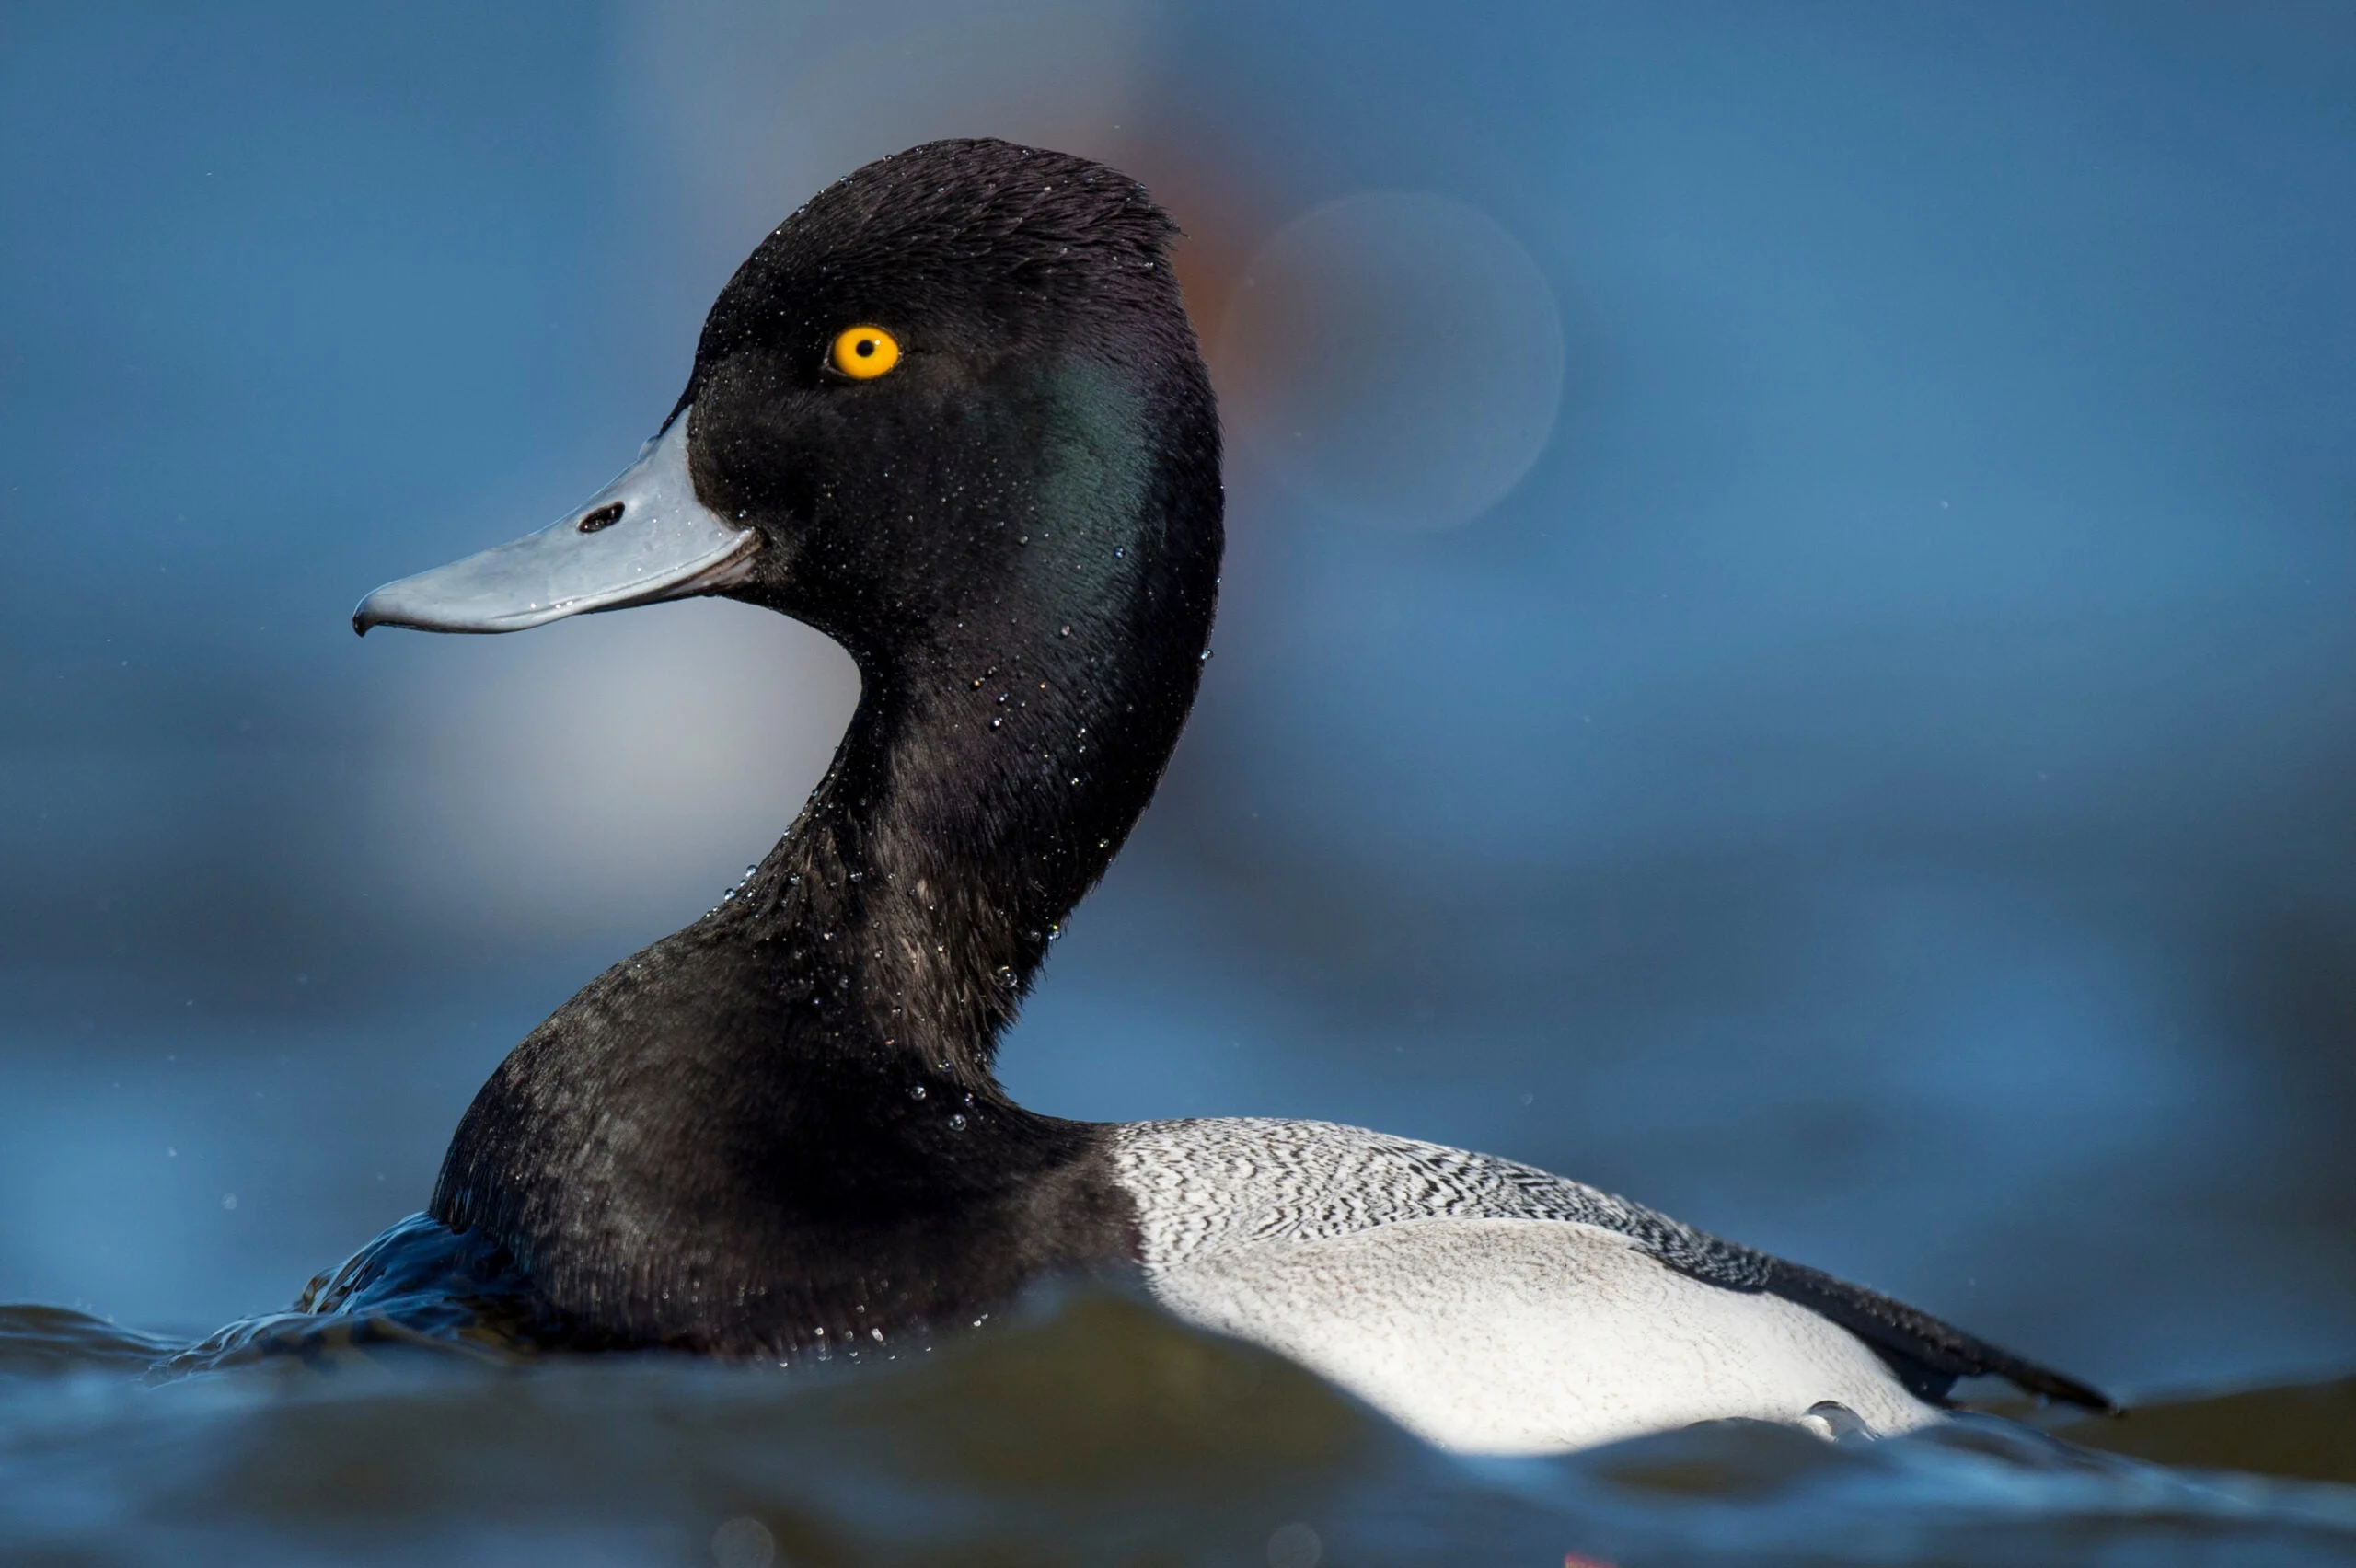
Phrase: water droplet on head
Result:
[957,1122]
[917,1092]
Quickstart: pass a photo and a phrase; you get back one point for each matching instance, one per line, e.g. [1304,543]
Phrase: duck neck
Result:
[986,783]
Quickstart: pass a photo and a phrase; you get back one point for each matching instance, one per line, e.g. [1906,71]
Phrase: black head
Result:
[960,378]
[949,365]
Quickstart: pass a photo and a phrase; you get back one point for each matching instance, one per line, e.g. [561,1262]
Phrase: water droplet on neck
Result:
[957,1122]
[916,1092]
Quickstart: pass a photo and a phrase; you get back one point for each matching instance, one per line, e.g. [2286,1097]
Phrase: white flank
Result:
[1472,1300]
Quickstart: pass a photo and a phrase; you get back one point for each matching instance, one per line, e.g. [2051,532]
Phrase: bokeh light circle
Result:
[1395,357]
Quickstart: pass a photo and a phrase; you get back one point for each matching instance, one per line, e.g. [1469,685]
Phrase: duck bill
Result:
[642,538]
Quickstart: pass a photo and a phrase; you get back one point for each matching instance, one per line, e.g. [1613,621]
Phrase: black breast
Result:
[644,1184]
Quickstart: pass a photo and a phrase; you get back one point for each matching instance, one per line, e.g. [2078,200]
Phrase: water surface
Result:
[1088,1429]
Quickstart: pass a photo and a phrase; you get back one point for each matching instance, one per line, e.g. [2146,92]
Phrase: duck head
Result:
[960,377]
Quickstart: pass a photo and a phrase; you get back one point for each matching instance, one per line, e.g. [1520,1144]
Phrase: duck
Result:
[951,414]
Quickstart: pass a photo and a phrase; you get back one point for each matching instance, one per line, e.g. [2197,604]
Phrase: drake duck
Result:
[951,414]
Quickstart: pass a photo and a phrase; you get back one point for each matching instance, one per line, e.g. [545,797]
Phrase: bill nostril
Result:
[604,517]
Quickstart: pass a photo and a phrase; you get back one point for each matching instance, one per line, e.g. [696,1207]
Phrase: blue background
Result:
[1878,787]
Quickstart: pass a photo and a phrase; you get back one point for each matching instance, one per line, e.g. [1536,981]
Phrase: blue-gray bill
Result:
[643,538]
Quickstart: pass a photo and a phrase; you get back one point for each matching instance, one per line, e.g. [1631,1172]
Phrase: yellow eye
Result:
[865,352]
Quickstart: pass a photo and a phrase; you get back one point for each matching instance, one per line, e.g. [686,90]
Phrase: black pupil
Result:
[864,347]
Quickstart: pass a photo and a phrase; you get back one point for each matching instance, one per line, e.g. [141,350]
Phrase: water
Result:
[1087,1429]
